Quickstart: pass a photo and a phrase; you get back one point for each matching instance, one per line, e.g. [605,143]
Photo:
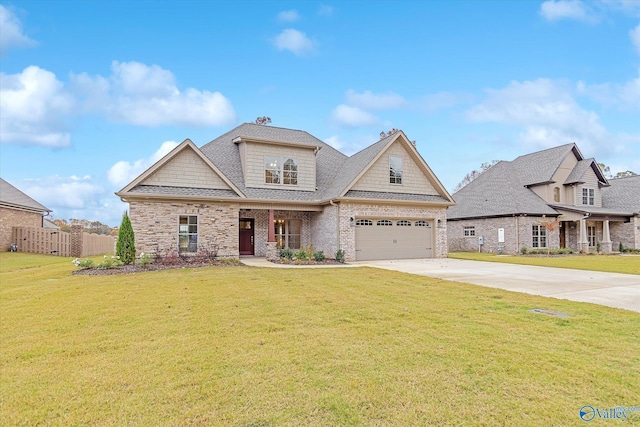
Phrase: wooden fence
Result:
[55,242]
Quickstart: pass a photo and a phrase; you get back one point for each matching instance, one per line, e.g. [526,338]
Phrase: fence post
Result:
[76,240]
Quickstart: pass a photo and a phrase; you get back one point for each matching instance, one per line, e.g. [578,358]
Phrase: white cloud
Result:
[348,116]
[294,41]
[123,172]
[635,37]
[335,142]
[34,105]
[625,97]
[546,112]
[368,100]
[11,34]
[57,192]
[288,16]
[145,95]
[555,10]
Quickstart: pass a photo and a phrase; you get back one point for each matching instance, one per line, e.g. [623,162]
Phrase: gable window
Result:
[539,235]
[280,170]
[188,234]
[290,172]
[288,233]
[556,194]
[403,223]
[272,170]
[384,223]
[591,235]
[469,231]
[364,222]
[588,196]
[395,170]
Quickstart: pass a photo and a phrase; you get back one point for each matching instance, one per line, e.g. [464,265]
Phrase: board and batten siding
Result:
[186,169]
[414,180]
[254,162]
[590,181]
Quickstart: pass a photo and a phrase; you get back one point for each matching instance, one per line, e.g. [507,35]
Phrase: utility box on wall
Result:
[500,235]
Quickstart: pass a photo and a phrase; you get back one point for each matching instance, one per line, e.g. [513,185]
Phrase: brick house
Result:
[17,210]
[553,198]
[259,188]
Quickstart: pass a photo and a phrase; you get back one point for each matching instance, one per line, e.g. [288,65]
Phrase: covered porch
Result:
[588,229]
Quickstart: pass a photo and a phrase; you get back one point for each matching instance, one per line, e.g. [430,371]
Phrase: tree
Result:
[264,120]
[606,170]
[550,225]
[384,134]
[125,246]
[625,174]
[473,175]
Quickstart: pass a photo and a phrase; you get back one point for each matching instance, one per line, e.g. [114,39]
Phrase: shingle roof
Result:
[578,171]
[359,194]
[10,195]
[623,194]
[162,190]
[539,167]
[499,191]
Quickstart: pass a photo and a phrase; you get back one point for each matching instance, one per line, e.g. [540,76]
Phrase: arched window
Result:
[364,222]
[384,223]
[403,223]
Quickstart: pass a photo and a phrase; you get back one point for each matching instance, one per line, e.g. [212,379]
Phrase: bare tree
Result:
[473,175]
[384,134]
[625,174]
[550,226]
[264,120]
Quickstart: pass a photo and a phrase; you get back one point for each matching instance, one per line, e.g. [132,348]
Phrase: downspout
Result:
[337,206]
[517,234]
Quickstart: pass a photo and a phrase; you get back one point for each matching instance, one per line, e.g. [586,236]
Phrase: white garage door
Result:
[383,238]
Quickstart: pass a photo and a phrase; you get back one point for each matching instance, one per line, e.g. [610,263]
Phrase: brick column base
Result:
[272,252]
[606,247]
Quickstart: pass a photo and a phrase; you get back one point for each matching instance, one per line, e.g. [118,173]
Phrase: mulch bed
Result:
[132,268]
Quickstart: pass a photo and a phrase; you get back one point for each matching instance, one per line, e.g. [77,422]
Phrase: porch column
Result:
[606,238]
[271,245]
[583,243]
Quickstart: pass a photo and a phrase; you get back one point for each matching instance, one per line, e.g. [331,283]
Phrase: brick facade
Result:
[15,218]
[155,225]
[517,234]
[354,210]
[627,233]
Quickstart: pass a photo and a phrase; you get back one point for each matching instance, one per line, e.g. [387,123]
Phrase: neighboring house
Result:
[17,210]
[552,199]
[259,188]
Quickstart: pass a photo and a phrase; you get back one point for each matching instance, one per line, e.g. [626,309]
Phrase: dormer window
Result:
[588,196]
[395,170]
[280,170]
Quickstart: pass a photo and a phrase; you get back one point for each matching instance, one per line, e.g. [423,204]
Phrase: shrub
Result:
[340,256]
[598,247]
[319,256]
[286,253]
[83,263]
[302,255]
[126,247]
[110,262]
[144,260]
[524,250]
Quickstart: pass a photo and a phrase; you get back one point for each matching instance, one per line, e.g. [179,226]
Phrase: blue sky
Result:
[92,93]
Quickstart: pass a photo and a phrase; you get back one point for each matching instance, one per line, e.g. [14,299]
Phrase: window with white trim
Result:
[280,170]
[469,231]
[188,234]
[288,232]
[403,223]
[591,235]
[539,236]
[395,170]
[384,223]
[588,196]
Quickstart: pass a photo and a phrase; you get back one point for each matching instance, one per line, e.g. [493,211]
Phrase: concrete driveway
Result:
[610,289]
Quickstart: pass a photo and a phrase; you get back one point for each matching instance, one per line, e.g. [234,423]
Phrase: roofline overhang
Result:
[506,215]
[239,139]
[45,211]
[577,209]
[388,201]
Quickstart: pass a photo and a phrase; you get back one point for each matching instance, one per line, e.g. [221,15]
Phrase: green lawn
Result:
[269,347]
[629,264]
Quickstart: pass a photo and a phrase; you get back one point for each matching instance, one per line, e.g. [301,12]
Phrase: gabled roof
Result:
[539,167]
[623,194]
[12,197]
[498,191]
[335,172]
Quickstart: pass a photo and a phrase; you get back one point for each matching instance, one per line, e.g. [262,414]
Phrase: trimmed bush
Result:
[340,256]
[126,246]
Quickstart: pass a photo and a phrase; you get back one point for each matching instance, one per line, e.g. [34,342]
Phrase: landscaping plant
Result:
[126,246]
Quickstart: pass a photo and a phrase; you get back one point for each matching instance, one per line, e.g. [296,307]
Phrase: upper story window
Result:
[395,170]
[556,194]
[588,196]
[280,171]
[469,231]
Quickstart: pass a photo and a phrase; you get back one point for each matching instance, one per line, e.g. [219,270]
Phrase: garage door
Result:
[383,238]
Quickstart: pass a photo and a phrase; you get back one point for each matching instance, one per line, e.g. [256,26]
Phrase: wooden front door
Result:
[246,237]
[562,235]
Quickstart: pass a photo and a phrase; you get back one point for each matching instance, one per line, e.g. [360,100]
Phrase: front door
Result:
[246,237]
[562,236]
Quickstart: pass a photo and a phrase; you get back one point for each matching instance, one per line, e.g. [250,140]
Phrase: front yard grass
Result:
[629,264]
[269,347]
